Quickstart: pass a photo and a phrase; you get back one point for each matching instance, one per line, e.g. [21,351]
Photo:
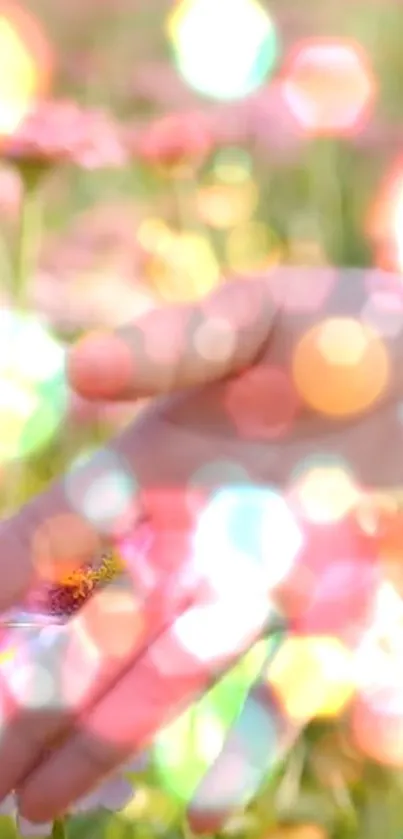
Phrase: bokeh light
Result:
[312,677]
[211,633]
[324,490]
[233,165]
[385,221]
[33,393]
[281,518]
[26,64]
[101,487]
[263,403]
[54,556]
[333,584]
[223,206]
[181,266]
[341,367]
[224,50]
[328,86]
[377,716]
[215,340]
[256,536]
[112,623]
[253,247]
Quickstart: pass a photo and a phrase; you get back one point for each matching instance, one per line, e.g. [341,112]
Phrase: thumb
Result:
[175,347]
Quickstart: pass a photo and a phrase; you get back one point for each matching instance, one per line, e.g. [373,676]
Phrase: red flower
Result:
[64,599]
[172,141]
[61,132]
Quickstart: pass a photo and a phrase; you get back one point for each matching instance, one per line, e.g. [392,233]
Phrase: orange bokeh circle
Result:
[112,622]
[341,367]
[62,544]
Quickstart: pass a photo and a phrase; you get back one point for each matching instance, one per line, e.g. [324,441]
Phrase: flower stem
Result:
[24,265]
[184,193]
[28,236]
[59,829]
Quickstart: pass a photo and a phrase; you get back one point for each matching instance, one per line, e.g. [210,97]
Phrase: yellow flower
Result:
[111,565]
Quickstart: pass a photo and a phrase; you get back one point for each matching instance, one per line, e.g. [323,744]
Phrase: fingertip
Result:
[100,366]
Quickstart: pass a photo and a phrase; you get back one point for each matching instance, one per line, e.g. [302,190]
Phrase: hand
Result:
[258,384]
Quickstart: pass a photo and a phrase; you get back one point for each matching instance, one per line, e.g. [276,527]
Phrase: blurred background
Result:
[275,138]
[149,151]
[184,142]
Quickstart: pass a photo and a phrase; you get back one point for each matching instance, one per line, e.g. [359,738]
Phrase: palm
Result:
[260,419]
[320,452]
[253,403]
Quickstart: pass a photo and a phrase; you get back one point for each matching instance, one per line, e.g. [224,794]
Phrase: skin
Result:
[193,420]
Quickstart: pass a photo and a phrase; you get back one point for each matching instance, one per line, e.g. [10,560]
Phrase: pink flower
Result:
[173,141]
[90,300]
[91,274]
[101,239]
[57,132]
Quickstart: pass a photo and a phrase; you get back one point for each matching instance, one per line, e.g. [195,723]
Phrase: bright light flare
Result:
[222,49]
[385,223]
[26,62]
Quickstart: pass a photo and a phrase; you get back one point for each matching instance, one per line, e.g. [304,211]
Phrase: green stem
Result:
[28,236]
[59,829]
[186,830]
[183,199]
[184,192]
[25,256]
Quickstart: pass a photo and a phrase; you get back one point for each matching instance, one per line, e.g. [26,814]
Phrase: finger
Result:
[95,505]
[59,673]
[65,527]
[162,682]
[55,529]
[97,502]
[175,347]
[46,539]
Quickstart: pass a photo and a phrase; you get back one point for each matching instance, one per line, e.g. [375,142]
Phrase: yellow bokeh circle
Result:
[312,676]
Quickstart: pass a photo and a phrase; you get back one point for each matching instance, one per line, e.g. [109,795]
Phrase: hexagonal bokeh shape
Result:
[328,86]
